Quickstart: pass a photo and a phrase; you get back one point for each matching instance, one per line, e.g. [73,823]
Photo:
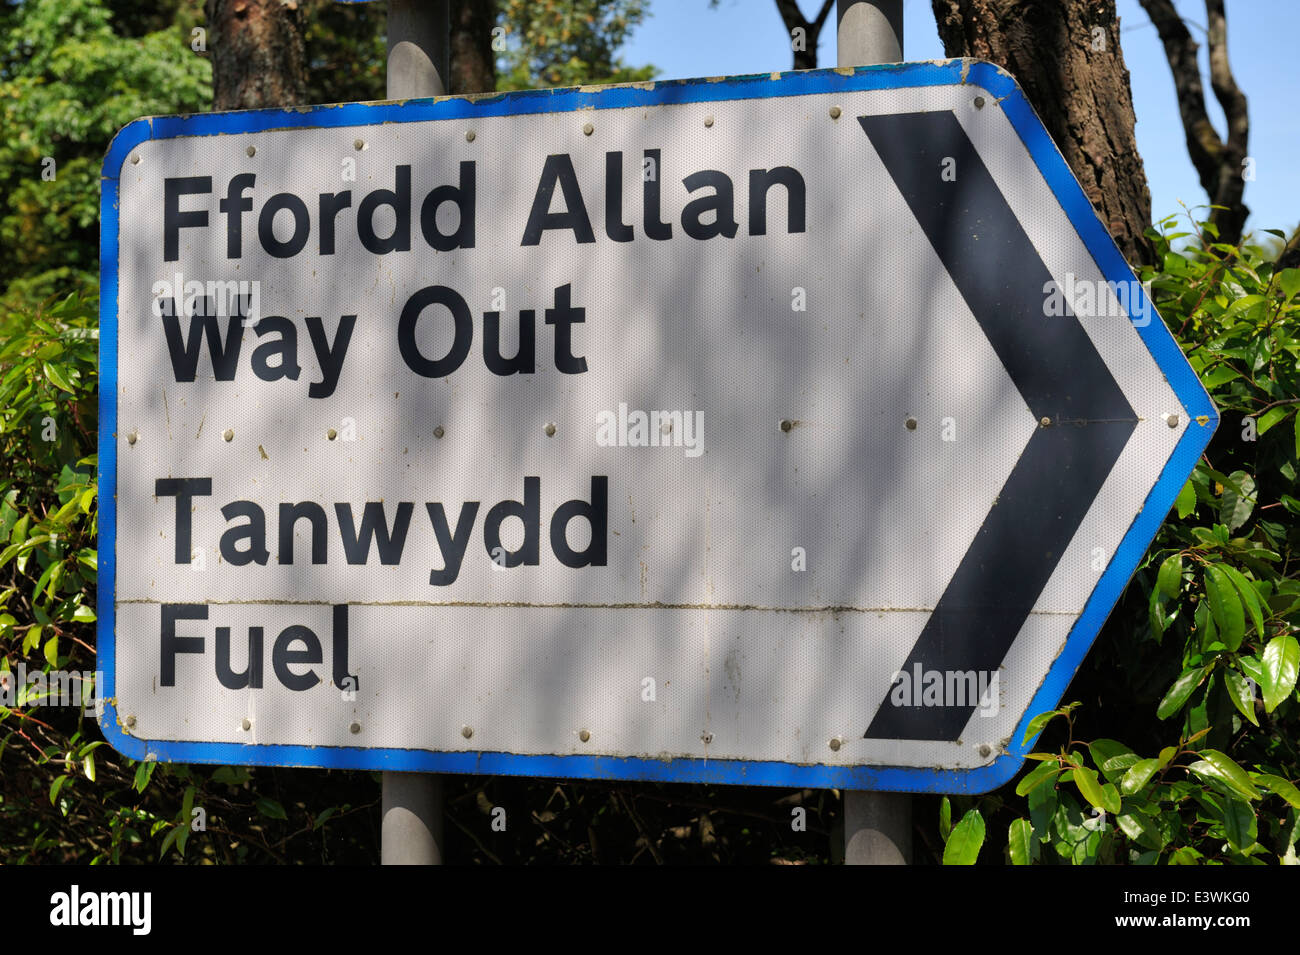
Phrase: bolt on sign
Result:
[797,429]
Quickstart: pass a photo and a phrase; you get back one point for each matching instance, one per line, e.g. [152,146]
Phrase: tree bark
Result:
[1066,56]
[805,53]
[1220,165]
[473,61]
[258,56]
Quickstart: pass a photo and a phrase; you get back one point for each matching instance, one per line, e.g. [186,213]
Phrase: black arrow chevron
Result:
[1058,373]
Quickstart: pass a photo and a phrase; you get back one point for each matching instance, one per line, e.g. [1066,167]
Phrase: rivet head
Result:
[129,721]
[135,159]
[835,744]
[247,724]
[438,432]
[549,429]
[354,729]
[1172,421]
[251,150]
[708,121]
[985,749]
[666,428]
[588,129]
[786,424]
[359,145]
[469,135]
[1045,421]
[584,735]
[132,438]
[229,434]
[835,112]
[910,423]
[467,731]
[979,102]
[331,434]
[706,738]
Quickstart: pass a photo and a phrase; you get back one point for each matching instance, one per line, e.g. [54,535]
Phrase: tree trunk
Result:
[258,57]
[1066,56]
[1219,165]
[473,61]
[803,33]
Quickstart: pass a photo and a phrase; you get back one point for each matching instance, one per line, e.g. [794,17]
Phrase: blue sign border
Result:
[1201,415]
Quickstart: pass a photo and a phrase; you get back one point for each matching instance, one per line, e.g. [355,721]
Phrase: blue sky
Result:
[685,38]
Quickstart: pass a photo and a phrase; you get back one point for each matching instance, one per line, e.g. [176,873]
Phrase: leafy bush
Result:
[1203,643]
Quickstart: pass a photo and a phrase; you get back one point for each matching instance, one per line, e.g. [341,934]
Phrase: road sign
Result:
[794,430]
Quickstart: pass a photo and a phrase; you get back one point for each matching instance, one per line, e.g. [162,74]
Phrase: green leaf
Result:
[1239,824]
[1037,776]
[88,766]
[1141,828]
[1180,692]
[1249,596]
[168,840]
[270,808]
[1281,787]
[1241,694]
[1020,840]
[1170,578]
[963,845]
[1271,417]
[52,651]
[1112,757]
[326,813]
[945,817]
[1037,723]
[1225,605]
[1086,780]
[143,773]
[53,373]
[1221,767]
[1281,663]
[1138,775]
[1186,500]
[55,787]
[1237,505]
[1289,281]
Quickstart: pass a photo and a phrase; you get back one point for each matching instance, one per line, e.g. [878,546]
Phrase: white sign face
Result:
[753,430]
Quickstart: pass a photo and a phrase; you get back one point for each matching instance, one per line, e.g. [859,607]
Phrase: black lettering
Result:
[722,204]
[529,512]
[251,678]
[452,546]
[558,168]
[374,528]
[290,514]
[301,225]
[184,490]
[254,531]
[282,657]
[464,197]
[596,513]
[172,644]
[400,200]
[760,181]
[329,356]
[417,303]
[562,316]
[286,346]
[173,219]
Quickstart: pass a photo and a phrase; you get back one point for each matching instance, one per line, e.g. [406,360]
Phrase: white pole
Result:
[877,826]
[419,39]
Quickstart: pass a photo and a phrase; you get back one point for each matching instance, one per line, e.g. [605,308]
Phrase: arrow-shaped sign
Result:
[1084,419]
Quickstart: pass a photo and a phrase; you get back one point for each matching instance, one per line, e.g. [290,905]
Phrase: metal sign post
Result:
[877,825]
[418,61]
